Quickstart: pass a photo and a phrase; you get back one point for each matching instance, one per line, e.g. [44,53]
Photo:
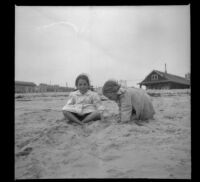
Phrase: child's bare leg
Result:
[92,116]
[71,117]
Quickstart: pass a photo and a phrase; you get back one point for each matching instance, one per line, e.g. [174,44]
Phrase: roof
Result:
[169,77]
[25,83]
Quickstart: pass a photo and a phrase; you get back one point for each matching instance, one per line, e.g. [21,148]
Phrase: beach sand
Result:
[46,146]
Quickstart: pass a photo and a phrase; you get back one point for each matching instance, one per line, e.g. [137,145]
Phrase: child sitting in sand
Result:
[83,105]
[134,103]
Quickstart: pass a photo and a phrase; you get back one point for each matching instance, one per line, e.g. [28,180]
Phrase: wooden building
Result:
[24,87]
[163,80]
[53,88]
[42,87]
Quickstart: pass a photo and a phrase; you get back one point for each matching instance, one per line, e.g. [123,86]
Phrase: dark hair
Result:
[84,77]
[110,86]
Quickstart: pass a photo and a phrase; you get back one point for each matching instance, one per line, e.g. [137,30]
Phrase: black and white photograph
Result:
[102,92]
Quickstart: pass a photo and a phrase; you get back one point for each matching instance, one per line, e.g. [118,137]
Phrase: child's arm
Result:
[125,108]
[71,105]
[71,99]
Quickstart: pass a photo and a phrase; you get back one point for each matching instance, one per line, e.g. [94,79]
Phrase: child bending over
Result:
[133,103]
[83,105]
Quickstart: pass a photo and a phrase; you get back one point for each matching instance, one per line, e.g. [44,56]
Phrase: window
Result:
[154,77]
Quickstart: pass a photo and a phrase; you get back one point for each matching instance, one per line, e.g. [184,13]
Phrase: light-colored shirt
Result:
[134,98]
[83,103]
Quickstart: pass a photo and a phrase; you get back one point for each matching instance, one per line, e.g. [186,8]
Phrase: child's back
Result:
[137,99]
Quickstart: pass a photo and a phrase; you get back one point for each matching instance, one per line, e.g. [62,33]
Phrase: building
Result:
[187,76]
[53,88]
[65,89]
[42,87]
[163,80]
[24,87]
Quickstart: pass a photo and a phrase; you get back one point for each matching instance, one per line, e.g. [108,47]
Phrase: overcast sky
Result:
[55,44]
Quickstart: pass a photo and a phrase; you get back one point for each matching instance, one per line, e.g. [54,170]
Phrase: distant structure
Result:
[42,87]
[163,80]
[52,88]
[187,76]
[24,87]
[30,87]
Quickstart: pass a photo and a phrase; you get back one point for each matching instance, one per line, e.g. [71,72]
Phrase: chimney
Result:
[165,68]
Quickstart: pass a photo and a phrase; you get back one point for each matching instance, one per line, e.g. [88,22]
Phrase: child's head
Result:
[110,89]
[82,83]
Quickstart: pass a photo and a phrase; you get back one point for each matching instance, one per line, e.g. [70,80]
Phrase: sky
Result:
[54,44]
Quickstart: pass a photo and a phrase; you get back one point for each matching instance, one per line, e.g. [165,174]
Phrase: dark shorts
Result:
[81,117]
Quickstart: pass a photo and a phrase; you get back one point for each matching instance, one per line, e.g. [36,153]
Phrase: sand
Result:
[46,146]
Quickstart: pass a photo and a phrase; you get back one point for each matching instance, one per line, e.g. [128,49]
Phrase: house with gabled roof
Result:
[163,80]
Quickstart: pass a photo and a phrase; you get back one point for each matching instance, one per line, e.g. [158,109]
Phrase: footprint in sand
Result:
[127,134]
[47,110]
[110,157]
[25,152]
[112,146]
[169,117]
[71,160]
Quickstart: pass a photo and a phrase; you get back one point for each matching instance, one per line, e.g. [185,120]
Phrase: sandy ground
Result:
[47,147]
